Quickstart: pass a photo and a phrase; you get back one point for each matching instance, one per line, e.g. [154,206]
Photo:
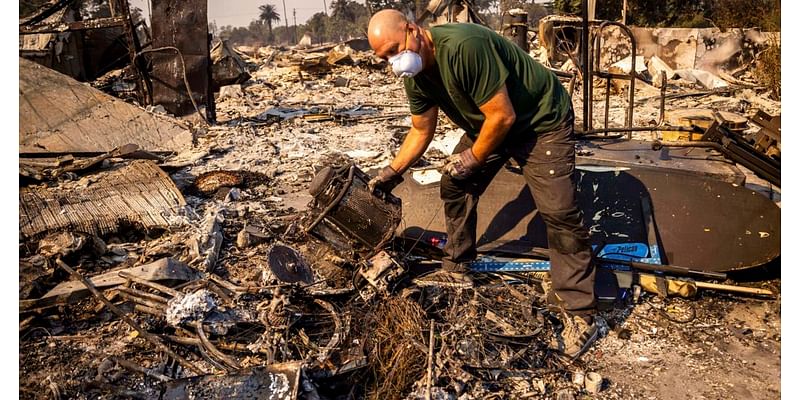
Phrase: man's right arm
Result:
[416,142]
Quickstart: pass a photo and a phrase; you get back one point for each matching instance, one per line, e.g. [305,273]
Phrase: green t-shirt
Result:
[472,63]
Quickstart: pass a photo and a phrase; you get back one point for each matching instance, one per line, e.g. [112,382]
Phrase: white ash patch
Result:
[190,307]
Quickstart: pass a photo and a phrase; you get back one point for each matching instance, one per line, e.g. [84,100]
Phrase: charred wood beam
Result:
[59,27]
[152,307]
[45,11]
[152,285]
[143,295]
[229,362]
[131,366]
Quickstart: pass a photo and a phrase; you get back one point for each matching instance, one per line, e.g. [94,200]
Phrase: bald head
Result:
[386,27]
[389,33]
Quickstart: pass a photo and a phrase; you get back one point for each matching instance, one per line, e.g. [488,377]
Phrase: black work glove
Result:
[461,165]
[386,180]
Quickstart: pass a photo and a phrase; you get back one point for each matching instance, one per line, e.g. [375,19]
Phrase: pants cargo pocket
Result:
[550,171]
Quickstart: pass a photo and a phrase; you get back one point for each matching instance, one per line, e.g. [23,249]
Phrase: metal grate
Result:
[345,201]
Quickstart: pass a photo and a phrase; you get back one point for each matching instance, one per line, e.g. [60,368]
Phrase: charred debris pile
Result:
[219,260]
[151,274]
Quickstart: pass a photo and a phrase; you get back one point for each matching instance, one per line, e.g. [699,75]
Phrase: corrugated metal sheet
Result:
[139,193]
[59,114]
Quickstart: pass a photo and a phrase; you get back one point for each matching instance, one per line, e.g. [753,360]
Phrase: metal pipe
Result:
[590,71]
[585,61]
[606,74]
[142,295]
[145,334]
[632,90]
[146,283]
[638,129]
[659,144]
[735,289]
[160,307]
[186,341]
[131,366]
[148,310]
[219,292]
[608,102]
[664,99]
[664,268]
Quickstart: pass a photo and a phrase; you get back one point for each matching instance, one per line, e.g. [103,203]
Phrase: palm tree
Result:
[268,14]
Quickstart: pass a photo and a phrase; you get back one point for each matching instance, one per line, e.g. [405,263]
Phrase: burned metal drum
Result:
[346,211]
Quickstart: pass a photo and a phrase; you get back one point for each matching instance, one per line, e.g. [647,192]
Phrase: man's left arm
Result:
[500,115]
[482,75]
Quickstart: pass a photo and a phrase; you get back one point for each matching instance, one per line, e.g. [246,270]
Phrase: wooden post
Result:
[286,22]
[624,11]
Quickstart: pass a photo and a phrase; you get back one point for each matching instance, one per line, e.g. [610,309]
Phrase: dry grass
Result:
[768,69]
[396,362]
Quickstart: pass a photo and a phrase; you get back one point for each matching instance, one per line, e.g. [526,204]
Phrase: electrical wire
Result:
[425,229]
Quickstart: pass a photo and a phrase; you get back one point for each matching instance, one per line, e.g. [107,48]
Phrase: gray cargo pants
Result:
[548,164]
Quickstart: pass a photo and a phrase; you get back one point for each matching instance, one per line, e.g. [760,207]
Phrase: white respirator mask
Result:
[406,64]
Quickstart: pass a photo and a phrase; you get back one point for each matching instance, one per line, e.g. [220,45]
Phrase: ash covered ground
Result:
[273,134]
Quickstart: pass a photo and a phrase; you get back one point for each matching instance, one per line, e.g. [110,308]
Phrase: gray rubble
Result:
[302,110]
